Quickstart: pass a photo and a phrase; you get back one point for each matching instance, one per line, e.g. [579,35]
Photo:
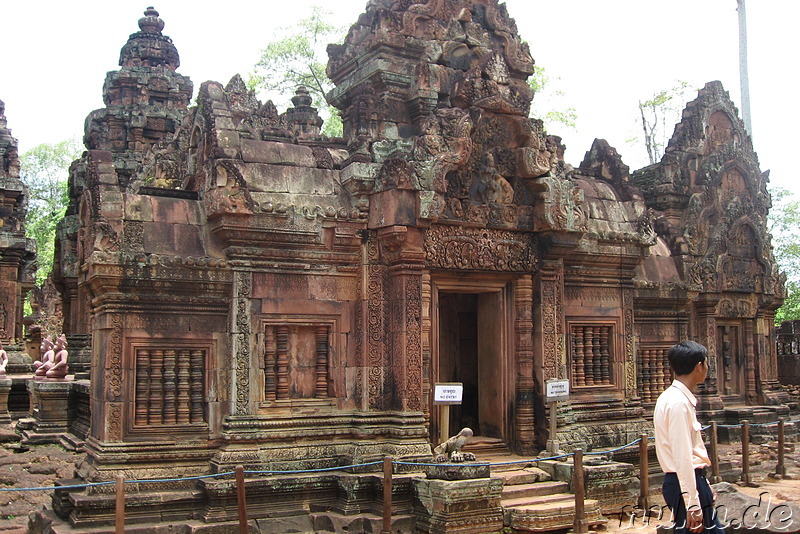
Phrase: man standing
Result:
[679,445]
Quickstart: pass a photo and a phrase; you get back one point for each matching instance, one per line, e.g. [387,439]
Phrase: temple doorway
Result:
[472,349]
[730,363]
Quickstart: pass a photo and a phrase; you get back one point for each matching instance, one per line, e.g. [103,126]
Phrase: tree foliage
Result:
[547,104]
[658,116]
[785,229]
[299,58]
[44,169]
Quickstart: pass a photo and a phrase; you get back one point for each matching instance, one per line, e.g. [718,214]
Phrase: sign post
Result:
[446,394]
[557,389]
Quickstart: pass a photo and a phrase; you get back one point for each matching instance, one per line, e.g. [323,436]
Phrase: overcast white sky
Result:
[606,54]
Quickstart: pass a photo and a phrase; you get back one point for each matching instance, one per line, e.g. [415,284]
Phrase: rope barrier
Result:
[368,464]
[319,470]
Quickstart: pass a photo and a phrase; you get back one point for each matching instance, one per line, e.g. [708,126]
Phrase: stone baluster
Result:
[597,362]
[142,386]
[577,357]
[666,375]
[156,409]
[170,412]
[322,361]
[269,363]
[644,375]
[588,366]
[184,399]
[282,337]
[197,389]
[605,356]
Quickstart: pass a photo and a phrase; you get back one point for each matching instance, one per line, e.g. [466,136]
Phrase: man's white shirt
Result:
[679,444]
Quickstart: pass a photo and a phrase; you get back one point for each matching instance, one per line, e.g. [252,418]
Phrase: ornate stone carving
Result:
[242,291]
[560,205]
[455,247]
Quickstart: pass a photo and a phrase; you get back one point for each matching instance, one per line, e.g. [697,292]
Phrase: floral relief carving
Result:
[453,247]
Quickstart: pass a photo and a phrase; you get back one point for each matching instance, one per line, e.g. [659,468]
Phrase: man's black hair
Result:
[685,356]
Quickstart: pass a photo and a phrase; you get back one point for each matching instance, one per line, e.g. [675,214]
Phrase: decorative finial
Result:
[150,22]
[301,97]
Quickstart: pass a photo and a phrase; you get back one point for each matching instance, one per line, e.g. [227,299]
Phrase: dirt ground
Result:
[42,465]
[763,459]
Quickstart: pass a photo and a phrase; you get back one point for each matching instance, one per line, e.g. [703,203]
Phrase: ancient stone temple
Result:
[712,261]
[17,254]
[251,292]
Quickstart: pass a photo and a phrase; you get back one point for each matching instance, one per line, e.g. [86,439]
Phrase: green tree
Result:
[658,116]
[299,58]
[44,169]
[547,104]
[785,228]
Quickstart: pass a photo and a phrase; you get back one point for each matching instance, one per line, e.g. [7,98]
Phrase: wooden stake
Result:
[119,515]
[580,494]
[780,469]
[713,441]
[746,452]
[241,499]
[387,495]
[644,469]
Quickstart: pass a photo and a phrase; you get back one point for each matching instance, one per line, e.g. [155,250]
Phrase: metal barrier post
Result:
[644,468]
[241,499]
[119,512]
[713,440]
[746,452]
[580,526]
[387,495]
[780,469]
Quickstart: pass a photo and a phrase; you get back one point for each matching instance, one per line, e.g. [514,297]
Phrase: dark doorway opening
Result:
[470,351]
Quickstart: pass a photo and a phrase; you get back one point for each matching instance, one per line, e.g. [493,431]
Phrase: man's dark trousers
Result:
[671,490]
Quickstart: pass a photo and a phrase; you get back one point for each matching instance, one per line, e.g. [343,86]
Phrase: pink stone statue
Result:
[46,354]
[59,368]
[3,361]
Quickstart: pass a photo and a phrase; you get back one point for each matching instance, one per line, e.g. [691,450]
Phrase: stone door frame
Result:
[475,283]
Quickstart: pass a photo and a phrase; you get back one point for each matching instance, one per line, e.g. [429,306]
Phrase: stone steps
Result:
[482,446]
[556,514]
[531,500]
[536,489]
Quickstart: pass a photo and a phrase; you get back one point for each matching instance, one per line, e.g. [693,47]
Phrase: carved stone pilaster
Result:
[525,386]
[550,321]
[425,340]
[630,343]
[750,362]
[402,247]
[241,343]
[707,335]
[376,329]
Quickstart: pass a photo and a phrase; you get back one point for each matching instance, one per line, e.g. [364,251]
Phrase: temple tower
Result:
[17,254]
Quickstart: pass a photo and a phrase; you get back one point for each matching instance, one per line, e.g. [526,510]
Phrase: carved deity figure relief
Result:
[492,187]
[718,131]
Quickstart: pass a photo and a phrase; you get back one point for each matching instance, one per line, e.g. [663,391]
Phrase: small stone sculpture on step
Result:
[3,361]
[450,450]
[46,354]
[59,368]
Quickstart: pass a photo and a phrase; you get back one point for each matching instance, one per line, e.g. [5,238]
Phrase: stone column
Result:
[750,362]
[5,389]
[525,388]
[707,335]
[401,247]
[242,364]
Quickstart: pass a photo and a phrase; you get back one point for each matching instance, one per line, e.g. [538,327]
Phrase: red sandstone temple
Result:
[244,290]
